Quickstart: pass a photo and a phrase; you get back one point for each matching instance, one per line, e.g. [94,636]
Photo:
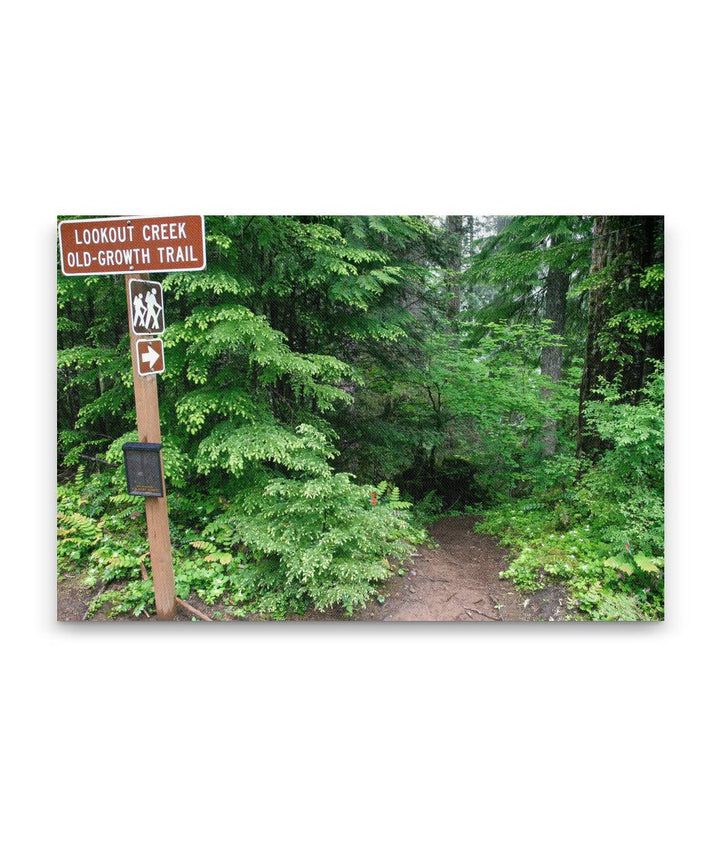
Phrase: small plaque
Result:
[143,469]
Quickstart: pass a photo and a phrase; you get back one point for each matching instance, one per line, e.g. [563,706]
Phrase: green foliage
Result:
[506,276]
[316,541]
[623,493]
[472,408]
[598,527]
[282,547]
[77,535]
[306,449]
[602,587]
[103,543]
[528,245]
[132,598]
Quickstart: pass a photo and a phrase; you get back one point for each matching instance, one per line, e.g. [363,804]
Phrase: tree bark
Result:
[623,248]
[454,225]
[596,317]
[551,357]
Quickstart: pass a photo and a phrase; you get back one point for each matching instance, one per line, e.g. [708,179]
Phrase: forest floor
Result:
[457,580]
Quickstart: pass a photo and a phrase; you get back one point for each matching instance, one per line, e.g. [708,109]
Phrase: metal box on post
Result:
[143,469]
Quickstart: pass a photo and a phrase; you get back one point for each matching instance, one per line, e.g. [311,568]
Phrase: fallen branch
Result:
[192,610]
[470,609]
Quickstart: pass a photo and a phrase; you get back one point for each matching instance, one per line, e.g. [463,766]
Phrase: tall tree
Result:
[557,283]
[526,267]
[455,229]
[625,312]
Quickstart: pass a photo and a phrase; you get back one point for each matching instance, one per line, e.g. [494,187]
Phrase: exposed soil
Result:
[73,599]
[456,581]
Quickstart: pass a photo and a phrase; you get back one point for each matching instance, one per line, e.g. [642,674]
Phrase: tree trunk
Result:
[454,225]
[551,358]
[623,248]
[596,318]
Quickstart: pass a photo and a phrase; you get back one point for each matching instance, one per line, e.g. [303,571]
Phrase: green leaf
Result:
[646,563]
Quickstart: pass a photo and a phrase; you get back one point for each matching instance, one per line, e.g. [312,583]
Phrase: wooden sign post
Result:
[123,245]
[156,514]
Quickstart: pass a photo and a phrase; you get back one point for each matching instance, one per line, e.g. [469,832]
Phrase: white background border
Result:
[357,738]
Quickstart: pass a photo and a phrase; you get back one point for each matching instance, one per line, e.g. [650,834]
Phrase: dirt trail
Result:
[459,581]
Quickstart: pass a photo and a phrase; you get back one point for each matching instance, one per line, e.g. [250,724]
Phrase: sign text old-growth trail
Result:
[129,244]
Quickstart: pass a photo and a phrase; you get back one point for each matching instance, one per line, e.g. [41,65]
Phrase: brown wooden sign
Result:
[127,244]
[150,356]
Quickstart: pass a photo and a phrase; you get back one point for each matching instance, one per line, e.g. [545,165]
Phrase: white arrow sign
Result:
[150,356]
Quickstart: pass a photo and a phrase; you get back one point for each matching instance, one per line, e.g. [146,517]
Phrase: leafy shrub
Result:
[601,586]
[316,541]
[598,527]
[623,493]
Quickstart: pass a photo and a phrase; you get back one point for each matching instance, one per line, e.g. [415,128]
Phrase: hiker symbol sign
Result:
[148,308]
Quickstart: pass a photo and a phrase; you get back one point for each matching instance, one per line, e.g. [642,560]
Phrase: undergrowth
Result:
[598,526]
[278,549]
